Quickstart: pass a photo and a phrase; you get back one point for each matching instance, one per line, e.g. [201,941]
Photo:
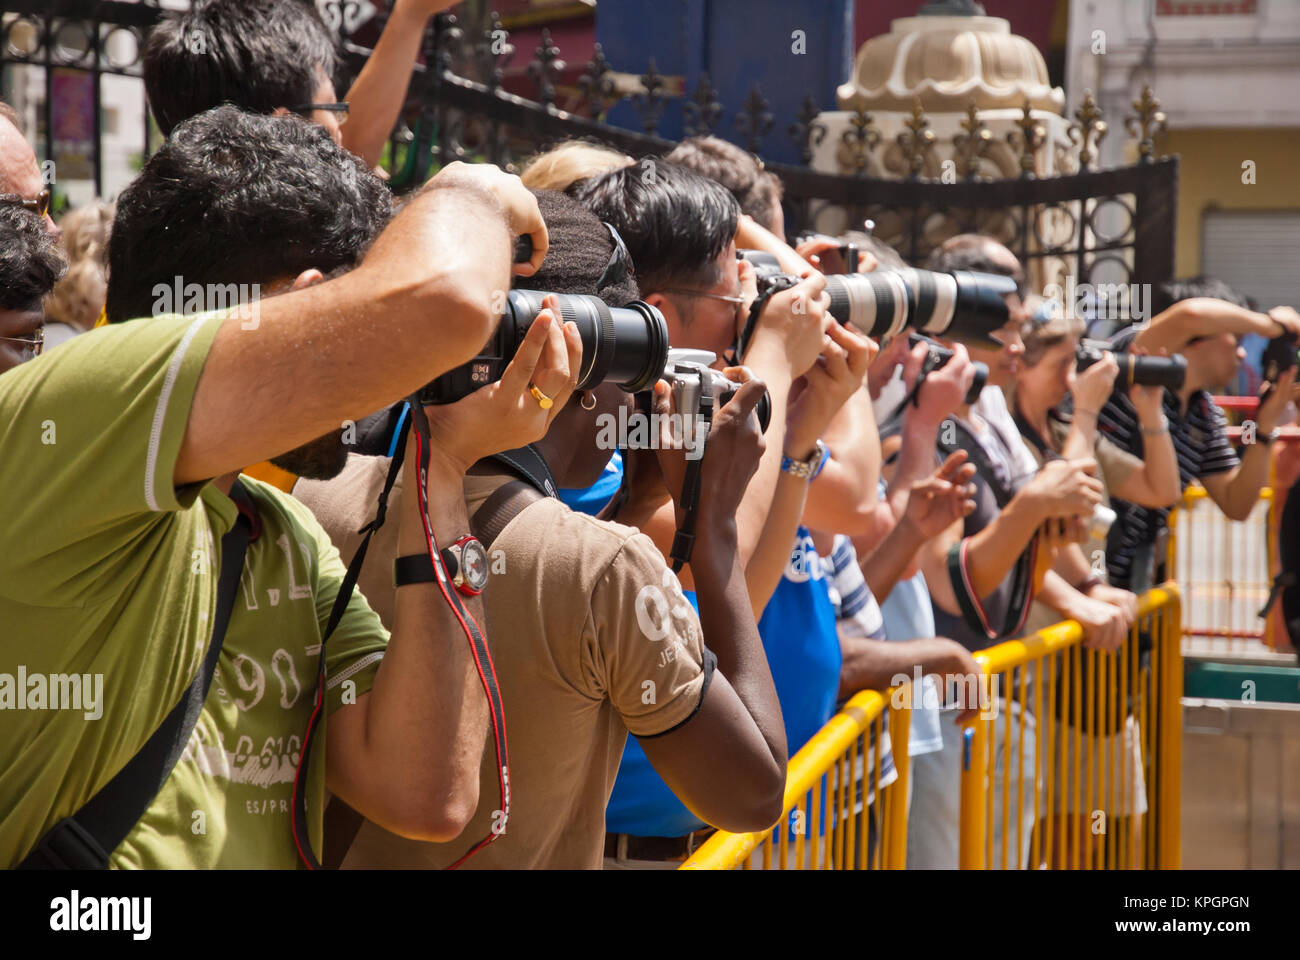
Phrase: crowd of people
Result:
[185,489]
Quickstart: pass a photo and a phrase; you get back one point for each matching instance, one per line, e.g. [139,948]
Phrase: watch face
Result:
[474,564]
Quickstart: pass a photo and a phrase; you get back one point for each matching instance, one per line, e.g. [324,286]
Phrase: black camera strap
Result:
[1022,584]
[769,288]
[684,538]
[86,839]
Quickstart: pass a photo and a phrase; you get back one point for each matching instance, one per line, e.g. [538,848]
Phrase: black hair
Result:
[756,190]
[1166,294]
[239,198]
[579,251]
[257,54]
[30,263]
[674,221]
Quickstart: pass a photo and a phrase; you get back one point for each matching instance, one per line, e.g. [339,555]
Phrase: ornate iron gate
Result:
[1074,227]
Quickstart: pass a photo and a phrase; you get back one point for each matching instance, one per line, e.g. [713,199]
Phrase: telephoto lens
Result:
[624,345]
[1167,372]
[960,305]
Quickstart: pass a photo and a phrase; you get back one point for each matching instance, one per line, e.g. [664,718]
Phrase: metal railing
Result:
[1104,733]
[1131,800]
[829,821]
[1224,570]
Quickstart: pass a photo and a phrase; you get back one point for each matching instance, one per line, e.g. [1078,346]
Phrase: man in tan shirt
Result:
[592,637]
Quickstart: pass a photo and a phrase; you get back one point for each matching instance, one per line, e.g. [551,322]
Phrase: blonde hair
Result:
[571,161]
[78,298]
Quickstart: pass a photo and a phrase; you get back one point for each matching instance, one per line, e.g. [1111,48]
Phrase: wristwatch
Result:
[1268,438]
[466,561]
[810,468]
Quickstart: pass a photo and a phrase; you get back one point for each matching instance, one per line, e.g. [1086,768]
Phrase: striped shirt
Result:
[1201,443]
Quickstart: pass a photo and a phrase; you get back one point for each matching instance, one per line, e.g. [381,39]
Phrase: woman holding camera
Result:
[1049,372]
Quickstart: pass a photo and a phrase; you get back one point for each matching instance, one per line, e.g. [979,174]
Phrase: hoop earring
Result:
[588,401]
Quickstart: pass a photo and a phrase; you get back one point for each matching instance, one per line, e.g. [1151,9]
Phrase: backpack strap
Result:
[86,839]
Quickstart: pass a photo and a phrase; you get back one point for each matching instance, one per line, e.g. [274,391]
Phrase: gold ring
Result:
[542,399]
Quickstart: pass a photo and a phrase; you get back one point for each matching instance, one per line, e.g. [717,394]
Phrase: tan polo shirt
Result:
[591,637]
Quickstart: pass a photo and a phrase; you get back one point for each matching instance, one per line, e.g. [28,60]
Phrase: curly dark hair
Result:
[255,54]
[580,249]
[30,262]
[236,197]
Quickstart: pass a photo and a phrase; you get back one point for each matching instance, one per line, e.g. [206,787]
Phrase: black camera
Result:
[1279,357]
[839,260]
[938,357]
[960,305]
[689,375]
[1168,372]
[626,345]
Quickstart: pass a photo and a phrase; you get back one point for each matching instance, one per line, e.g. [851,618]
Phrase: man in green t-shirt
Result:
[118,453]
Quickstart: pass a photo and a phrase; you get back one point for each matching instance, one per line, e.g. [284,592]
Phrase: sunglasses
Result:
[40,206]
[307,109]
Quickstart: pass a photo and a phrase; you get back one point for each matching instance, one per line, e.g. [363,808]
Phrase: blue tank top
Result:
[803,651]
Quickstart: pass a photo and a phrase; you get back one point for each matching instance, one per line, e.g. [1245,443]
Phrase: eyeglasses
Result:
[31,345]
[40,206]
[340,108]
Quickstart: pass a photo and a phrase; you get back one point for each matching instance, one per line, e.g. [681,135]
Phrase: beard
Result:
[322,459]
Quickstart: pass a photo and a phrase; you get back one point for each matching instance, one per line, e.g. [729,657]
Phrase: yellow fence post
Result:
[900,723]
[1169,768]
[974,793]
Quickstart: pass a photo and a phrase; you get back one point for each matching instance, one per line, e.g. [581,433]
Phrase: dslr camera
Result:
[690,377]
[1168,372]
[626,345]
[1279,357]
[961,305]
[938,357]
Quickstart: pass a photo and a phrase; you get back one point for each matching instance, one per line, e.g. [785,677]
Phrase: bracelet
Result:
[1089,584]
[1159,431]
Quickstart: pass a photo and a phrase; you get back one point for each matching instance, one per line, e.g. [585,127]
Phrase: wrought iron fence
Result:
[1104,228]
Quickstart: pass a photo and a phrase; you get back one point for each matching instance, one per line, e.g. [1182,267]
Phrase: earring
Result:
[588,401]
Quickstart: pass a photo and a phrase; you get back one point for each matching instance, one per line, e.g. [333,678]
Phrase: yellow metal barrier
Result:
[1224,570]
[1044,695]
[1103,731]
[836,816]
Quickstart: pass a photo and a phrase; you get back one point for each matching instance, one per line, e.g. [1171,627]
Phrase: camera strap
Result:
[684,538]
[86,839]
[767,289]
[478,646]
[1022,584]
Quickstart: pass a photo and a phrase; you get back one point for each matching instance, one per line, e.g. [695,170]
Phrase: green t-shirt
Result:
[108,572]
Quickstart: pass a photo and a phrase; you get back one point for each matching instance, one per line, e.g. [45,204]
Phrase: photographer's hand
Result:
[505,415]
[1064,488]
[1092,387]
[834,377]
[791,327]
[944,390]
[523,217]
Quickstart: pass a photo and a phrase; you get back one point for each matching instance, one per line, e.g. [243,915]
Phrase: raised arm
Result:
[376,96]
[728,762]
[424,300]
[1204,317]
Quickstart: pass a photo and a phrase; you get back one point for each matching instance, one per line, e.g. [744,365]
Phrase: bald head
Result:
[974,251]
[20,174]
